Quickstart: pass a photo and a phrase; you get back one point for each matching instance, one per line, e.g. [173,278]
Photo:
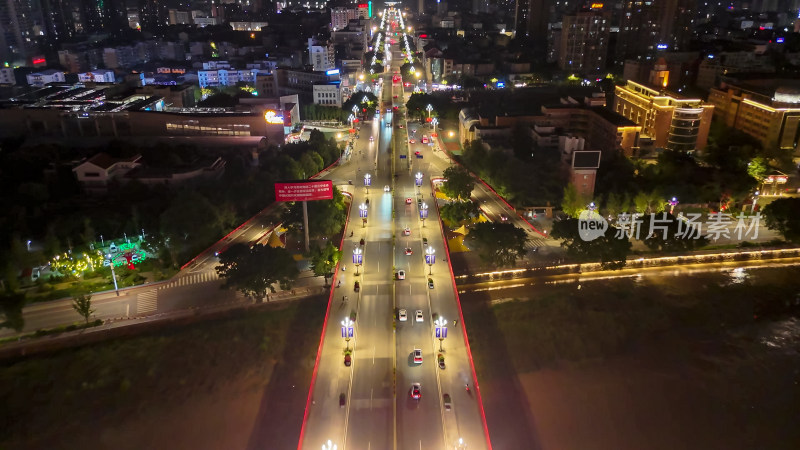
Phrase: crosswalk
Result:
[147,302]
[192,278]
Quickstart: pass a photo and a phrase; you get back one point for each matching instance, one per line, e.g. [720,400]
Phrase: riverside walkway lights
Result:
[673,201]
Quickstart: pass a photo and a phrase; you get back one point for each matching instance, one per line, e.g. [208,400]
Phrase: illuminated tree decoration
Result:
[128,254]
[75,264]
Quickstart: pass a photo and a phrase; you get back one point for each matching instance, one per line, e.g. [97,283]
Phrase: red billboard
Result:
[304,190]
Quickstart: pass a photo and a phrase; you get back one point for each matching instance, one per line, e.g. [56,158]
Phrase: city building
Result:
[321,55]
[17,44]
[341,17]
[667,120]
[96,76]
[530,19]
[584,42]
[328,93]
[95,174]
[7,76]
[649,26]
[767,109]
[40,79]
[583,171]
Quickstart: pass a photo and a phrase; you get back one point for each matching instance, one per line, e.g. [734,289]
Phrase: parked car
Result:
[407,231]
[441,361]
[408,200]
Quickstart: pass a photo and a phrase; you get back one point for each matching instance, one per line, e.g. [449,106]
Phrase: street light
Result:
[430,258]
[113,275]
[358,257]
[362,212]
[418,179]
[672,202]
[441,330]
[592,206]
[423,213]
[367,181]
[434,122]
[329,445]
[755,199]
[355,110]
[429,108]
[347,331]
[351,119]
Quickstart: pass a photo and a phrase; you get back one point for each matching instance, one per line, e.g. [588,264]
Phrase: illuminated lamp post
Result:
[358,257]
[434,122]
[347,331]
[755,199]
[362,212]
[113,274]
[441,330]
[329,445]
[423,213]
[418,181]
[672,203]
[367,181]
[429,108]
[355,110]
[430,258]
[351,119]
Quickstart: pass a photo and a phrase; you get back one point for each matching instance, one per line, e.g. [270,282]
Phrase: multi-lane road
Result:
[369,404]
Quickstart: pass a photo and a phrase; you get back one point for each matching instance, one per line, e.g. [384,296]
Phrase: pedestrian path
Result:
[147,302]
[192,278]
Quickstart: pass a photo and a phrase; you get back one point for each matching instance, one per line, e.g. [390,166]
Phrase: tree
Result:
[783,215]
[758,168]
[324,259]
[573,202]
[498,244]
[11,305]
[459,183]
[254,271]
[82,304]
[456,212]
[611,249]
[664,232]
[325,217]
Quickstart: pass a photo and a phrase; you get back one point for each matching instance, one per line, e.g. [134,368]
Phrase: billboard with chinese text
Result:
[304,190]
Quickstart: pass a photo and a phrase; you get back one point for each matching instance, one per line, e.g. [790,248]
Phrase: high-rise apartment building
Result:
[530,19]
[648,26]
[584,42]
[321,55]
[17,42]
[341,17]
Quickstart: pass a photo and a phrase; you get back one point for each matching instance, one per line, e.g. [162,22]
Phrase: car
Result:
[395,96]
[407,232]
[402,315]
[401,274]
[503,217]
[416,391]
[408,251]
[356,286]
[408,200]
[417,356]
[401,126]
[418,315]
[347,360]
[412,141]
[386,188]
[424,139]
[430,283]
[372,138]
[448,402]
[342,400]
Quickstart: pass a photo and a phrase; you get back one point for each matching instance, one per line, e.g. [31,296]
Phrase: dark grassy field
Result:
[69,396]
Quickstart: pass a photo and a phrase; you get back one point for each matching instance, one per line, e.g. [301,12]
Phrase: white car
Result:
[403,316]
[401,274]
[407,231]
[418,315]
[372,138]
[417,356]
[386,188]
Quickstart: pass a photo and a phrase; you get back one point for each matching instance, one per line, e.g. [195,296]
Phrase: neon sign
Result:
[597,6]
[271,117]
[332,72]
[39,61]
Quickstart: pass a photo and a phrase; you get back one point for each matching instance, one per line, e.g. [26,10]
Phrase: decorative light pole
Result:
[592,207]
[418,181]
[755,199]
[329,445]
[358,257]
[113,275]
[367,181]
[672,202]
[423,213]
[355,110]
[347,331]
[441,330]
[362,212]
[434,121]
[430,258]
[429,108]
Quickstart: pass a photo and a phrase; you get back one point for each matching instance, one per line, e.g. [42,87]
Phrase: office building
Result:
[321,55]
[766,109]
[647,27]
[530,19]
[667,120]
[584,42]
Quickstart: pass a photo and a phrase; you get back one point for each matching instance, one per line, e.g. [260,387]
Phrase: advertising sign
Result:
[304,190]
